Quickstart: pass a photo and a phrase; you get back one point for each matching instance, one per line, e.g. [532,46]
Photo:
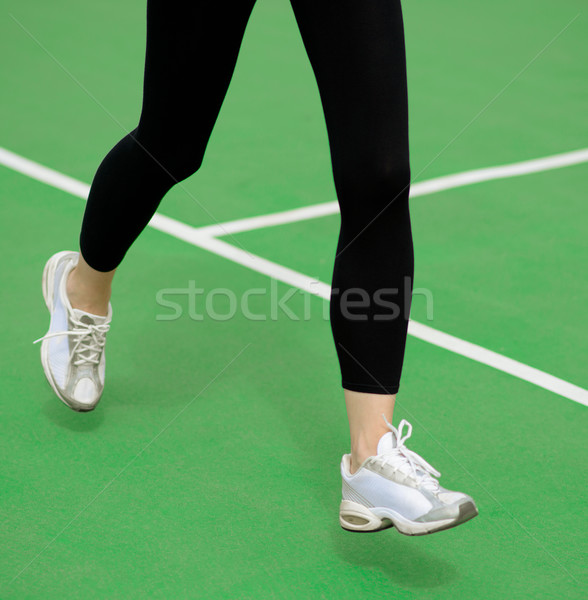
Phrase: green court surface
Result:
[210,468]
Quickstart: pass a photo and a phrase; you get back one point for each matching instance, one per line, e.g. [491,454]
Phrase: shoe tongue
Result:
[387,443]
[88,318]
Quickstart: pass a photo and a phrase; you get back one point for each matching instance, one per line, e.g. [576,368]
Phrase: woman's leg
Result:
[357,52]
[192,48]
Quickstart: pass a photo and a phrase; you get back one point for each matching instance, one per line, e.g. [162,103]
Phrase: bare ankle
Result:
[366,425]
[361,452]
[86,297]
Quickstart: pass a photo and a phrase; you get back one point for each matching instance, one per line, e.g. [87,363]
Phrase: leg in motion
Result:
[192,49]
[357,53]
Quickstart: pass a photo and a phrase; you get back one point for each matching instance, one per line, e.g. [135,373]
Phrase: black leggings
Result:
[356,48]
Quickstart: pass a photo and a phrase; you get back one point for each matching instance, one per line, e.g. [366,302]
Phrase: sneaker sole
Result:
[359,518]
[48,290]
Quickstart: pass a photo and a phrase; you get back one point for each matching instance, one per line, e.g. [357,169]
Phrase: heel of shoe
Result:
[48,279]
[356,517]
[47,285]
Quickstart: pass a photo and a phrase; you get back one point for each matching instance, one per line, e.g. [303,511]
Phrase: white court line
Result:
[422,188]
[203,239]
[44,174]
[193,236]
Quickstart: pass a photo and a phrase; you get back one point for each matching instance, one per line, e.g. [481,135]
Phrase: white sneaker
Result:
[72,352]
[397,488]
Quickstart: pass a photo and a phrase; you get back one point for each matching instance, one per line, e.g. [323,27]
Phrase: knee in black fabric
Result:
[175,158]
[367,188]
[144,169]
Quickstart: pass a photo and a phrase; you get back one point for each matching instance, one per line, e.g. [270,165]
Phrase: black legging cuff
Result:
[370,389]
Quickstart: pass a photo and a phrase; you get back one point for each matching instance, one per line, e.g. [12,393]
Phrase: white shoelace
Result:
[88,347]
[407,461]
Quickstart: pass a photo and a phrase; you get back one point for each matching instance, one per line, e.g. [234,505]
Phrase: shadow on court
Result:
[64,417]
[397,557]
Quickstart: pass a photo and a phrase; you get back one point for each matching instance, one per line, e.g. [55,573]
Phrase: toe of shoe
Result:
[85,395]
[461,509]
